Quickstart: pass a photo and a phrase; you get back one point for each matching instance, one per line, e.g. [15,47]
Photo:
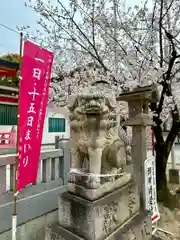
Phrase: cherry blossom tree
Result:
[136,46]
[162,26]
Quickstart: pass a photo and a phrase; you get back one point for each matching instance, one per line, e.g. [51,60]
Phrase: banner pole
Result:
[14,215]
[153,141]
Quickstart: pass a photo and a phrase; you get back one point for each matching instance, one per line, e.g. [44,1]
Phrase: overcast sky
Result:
[13,13]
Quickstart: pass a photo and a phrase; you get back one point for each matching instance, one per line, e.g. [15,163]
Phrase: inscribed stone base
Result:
[95,220]
[174,176]
[94,194]
[137,227]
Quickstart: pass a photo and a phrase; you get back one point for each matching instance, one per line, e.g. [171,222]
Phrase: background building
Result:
[56,121]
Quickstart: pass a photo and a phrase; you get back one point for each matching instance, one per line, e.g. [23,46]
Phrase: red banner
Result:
[34,86]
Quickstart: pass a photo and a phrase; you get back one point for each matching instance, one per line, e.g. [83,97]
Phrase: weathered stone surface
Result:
[94,194]
[139,119]
[56,232]
[96,220]
[94,136]
[137,228]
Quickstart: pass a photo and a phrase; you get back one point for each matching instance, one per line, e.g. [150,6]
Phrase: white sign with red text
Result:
[150,188]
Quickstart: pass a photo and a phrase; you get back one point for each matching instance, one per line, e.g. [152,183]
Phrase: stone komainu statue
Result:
[94,135]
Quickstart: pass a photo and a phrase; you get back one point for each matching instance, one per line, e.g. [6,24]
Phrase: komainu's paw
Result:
[113,172]
[120,170]
[93,182]
[72,178]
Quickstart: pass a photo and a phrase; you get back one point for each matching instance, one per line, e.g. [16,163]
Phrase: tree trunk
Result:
[162,188]
[163,193]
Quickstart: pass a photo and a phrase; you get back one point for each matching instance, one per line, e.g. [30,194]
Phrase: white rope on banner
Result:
[15,194]
[82,173]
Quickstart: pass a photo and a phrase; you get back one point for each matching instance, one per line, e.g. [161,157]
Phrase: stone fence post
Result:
[63,143]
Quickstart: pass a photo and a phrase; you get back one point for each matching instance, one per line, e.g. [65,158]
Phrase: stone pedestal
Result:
[106,188]
[114,216]
[138,227]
